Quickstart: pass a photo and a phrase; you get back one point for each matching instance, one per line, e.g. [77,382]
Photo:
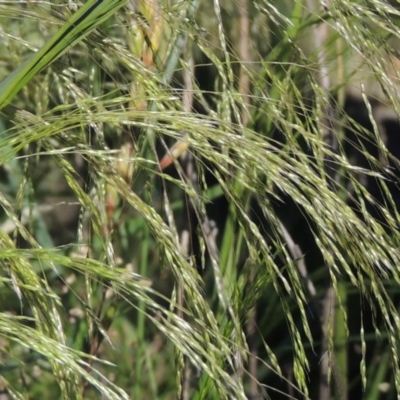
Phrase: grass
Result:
[260,262]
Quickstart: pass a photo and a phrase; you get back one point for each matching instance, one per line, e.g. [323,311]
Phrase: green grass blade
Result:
[84,21]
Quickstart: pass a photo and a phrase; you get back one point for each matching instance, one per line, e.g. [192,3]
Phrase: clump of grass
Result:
[177,279]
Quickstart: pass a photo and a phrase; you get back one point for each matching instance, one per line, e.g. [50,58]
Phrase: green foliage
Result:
[264,261]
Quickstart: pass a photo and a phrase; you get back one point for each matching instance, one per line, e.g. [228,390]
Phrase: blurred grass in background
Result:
[199,199]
